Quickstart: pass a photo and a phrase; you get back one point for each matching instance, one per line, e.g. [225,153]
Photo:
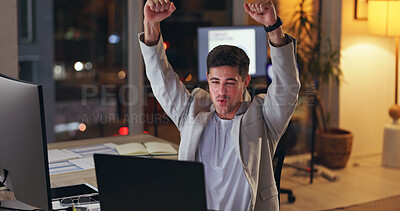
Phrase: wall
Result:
[239,17]
[36,55]
[135,65]
[368,65]
[331,26]
[8,38]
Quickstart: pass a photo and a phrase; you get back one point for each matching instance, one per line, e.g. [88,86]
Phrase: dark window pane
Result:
[25,21]
[27,71]
[90,70]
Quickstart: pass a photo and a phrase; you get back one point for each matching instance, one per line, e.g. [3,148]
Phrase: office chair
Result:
[279,157]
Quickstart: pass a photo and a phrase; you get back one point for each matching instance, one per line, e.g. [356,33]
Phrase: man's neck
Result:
[226,116]
[230,115]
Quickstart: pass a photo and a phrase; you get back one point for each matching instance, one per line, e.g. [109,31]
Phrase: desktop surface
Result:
[87,176]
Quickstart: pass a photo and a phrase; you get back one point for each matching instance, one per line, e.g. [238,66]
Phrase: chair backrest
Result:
[279,157]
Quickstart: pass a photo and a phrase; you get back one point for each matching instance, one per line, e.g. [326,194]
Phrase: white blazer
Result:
[258,124]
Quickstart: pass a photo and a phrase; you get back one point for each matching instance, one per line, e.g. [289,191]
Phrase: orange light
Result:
[123,131]
[166,45]
[189,77]
[82,127]
[121,74]
[383,18]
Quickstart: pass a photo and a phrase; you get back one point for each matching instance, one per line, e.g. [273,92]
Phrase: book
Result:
[146,148]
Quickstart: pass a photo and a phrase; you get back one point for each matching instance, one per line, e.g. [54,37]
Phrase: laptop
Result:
[141,183]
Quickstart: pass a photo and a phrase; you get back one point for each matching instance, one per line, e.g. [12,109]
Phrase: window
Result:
[78,51]
[90,70]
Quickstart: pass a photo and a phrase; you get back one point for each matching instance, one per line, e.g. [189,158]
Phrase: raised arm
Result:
[281,98]
[168,90]
[154,12]
[263,11]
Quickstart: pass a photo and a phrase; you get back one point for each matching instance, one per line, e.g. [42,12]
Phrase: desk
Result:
[89,176]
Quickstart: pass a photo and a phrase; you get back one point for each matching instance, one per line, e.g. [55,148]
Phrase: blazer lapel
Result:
[189,147]
[235,132]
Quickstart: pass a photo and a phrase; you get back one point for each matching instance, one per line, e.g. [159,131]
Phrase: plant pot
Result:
[334,147]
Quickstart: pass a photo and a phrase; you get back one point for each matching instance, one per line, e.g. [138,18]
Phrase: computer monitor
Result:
[252,39]
[23,147]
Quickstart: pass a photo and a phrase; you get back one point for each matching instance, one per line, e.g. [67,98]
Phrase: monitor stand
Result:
[14,204]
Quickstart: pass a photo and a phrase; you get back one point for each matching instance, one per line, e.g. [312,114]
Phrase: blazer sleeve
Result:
[167,88]
[281,98]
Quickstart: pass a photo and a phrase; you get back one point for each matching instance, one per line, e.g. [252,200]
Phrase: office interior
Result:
[86,56]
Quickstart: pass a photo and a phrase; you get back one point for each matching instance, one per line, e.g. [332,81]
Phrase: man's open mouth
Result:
[221,100]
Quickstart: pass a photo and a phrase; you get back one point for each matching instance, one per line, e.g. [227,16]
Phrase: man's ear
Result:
[247,81]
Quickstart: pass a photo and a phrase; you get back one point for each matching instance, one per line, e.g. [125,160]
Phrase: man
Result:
[235,138]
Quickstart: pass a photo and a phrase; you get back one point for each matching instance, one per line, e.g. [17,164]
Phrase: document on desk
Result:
[107,148]
[63,167]
[84,163]
[61,154]
[66,166]
[76,159]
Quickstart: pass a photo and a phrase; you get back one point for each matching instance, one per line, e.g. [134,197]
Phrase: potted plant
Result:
[318,65]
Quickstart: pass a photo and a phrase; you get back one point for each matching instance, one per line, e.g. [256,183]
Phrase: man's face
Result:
[226,90]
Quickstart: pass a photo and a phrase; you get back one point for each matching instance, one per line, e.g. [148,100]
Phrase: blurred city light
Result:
[113,39]
[78,66]
[82,127]
[121,75]
[166,45]
[88,65]
[123,131]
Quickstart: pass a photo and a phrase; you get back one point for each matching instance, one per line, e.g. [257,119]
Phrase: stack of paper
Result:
[76,159]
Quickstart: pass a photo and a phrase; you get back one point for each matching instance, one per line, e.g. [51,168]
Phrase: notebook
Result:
[141,183]
[146,148]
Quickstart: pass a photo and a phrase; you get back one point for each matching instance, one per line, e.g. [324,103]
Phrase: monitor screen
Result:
[23,147]
[252,39]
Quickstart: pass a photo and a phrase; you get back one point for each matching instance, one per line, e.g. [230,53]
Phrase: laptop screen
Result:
[139,183]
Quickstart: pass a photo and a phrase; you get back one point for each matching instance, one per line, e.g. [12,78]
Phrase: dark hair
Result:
[227,55]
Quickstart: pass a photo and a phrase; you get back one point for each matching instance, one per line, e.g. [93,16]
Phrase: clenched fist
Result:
[158,10]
